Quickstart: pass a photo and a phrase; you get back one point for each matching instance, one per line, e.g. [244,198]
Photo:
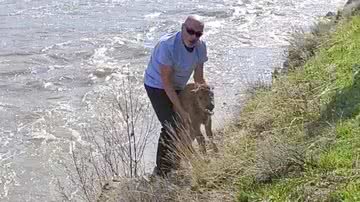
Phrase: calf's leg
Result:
[199,137]
[209,133]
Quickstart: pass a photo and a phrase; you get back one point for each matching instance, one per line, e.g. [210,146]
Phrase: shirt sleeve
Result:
[163,55]
[203,53]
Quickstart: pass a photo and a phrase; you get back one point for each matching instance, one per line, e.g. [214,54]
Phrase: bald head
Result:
[194,21]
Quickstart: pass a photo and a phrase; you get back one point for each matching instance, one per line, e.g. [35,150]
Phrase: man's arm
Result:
[166,77]
[199,73]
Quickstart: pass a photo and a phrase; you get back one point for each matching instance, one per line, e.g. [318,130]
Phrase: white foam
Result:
[85,39]
[108,78]
[215,24]
[100,56]
[78,138]
[60,45]
[48,84]
[153,15]
[4,143]
[43,134]
[118,75]
[238,11]
[118,40]
[5,156]
[37,121]
[6,181]
[100,53]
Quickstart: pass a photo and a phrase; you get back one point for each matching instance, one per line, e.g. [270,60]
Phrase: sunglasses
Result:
[192,32]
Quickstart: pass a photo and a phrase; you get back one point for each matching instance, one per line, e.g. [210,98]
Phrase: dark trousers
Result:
[166,158]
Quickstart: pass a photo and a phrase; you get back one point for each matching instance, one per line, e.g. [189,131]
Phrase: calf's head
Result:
[204,97]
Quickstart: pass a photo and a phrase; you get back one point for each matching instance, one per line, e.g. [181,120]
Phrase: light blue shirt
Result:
[170,50]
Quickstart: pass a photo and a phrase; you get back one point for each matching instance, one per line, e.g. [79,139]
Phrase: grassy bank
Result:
[300,140]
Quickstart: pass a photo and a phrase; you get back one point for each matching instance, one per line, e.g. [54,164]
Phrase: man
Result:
[175,57]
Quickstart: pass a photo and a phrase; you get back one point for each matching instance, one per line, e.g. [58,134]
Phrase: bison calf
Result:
[198,101]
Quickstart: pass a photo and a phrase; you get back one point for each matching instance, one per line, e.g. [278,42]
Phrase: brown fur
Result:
[198,101]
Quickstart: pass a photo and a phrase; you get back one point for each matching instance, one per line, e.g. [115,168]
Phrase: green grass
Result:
[327,84]
[349,192]
[345,152]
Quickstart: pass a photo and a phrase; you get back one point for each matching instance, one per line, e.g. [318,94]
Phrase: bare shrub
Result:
[302,47]
[322,28]
[114,145]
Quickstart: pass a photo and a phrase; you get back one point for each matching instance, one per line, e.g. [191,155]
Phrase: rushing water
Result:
[57,56]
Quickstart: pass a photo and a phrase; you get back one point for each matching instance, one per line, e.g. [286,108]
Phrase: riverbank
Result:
[299,139]
[294,141]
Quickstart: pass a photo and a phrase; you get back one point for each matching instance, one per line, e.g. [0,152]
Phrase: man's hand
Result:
[166,77]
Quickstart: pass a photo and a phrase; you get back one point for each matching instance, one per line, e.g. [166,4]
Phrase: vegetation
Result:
[300,139]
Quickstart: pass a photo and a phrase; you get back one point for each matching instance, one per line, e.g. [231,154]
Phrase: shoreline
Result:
[209,181]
